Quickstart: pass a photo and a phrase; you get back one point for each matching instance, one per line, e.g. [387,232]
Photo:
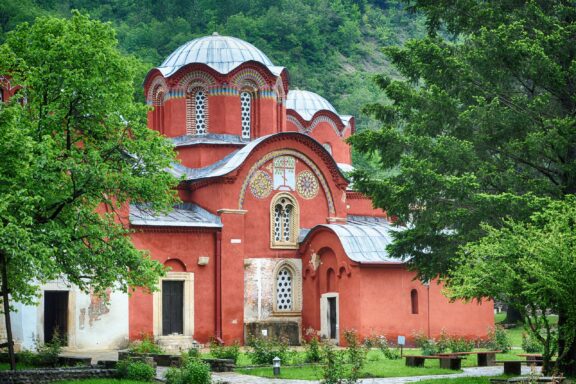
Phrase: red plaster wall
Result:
[186,247]
[324,133]
[198,156]
[358,204]
[377,299]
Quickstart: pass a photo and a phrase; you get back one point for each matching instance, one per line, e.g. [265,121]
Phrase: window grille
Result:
[246,105]
[200,112]
[284,290]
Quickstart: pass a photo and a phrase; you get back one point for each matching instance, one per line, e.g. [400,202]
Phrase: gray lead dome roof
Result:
[222,53]
[307,103]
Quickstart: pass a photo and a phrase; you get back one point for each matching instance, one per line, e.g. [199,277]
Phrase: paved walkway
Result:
[236,378]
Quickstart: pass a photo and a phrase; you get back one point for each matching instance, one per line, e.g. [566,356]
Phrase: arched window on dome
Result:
[197,112]
[158,113]
[246,99]
[284,220]
[327,147]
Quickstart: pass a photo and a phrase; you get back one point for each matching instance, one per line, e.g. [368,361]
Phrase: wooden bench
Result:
[512,367]
[446,362]
[485,358]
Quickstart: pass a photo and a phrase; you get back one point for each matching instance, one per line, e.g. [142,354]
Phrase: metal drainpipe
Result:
[218,268]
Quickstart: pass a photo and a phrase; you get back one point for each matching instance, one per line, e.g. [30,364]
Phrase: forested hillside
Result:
[331,47]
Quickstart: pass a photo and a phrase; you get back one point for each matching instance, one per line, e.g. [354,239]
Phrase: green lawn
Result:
[380,368]
[102,381]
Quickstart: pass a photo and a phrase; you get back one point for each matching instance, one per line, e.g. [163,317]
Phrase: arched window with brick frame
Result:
[248,109]
[197,111]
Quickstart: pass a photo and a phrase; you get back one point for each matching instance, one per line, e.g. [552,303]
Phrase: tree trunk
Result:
[513,316]
[5,298]
[566,363]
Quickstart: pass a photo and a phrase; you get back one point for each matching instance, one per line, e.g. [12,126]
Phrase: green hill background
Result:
[331,47]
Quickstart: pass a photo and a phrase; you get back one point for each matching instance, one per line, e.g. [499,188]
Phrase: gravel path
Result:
[236,378]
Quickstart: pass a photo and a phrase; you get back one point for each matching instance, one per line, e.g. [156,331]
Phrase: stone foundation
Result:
[49,375]
[288,330]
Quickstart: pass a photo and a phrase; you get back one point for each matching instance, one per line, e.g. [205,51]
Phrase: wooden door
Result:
[172,307]
[55,315]
[332,317]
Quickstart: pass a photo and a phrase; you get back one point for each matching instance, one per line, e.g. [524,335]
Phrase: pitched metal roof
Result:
[364,238]
[222,53]
[209,138]
[227,164]
[183,215]
[307,103]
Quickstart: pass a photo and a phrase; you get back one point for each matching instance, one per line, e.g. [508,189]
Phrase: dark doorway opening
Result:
[55,315]
[172,307]
[332,316]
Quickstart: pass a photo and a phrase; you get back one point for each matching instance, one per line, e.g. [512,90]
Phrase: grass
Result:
[19,366]
[380,368]
[101,381]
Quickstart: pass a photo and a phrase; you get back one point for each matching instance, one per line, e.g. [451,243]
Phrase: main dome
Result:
[222,53]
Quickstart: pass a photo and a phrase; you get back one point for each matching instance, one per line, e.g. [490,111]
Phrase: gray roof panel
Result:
[364,238]
[183,215]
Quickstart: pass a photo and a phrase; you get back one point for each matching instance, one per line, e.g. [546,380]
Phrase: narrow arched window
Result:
[327,147]
[284,289]
[284,221]
[197,112]
[414,301]
[1,95]
[246,108]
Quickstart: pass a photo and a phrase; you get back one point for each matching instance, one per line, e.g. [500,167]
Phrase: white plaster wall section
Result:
[102,322]
[259,282]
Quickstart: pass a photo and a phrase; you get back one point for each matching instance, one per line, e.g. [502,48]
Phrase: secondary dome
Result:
[222,53]
[307,103]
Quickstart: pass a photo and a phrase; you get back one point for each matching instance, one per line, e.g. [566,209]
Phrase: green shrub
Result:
[531,344]
[381,342]
[47,353]
[460,344]
[135,370]
[193,371]
[312,350]
[225,351]
[498,339]
[145,345]
[428,346]
[333,367]
[264,350]
[356,355]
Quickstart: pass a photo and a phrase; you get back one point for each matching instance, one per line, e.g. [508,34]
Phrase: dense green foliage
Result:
[482,128]
[534,263]
[135,370]
[192,371]
[72,155]
[329,47]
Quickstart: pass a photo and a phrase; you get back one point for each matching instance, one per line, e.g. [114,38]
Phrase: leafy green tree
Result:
[532,264]
[482,123]
[75,150]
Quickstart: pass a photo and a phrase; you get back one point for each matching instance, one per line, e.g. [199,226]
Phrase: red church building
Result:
[270,239]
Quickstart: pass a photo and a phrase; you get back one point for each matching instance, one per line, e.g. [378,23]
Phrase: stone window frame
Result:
[296,289]
[188,310]
[191,110]
[294,224]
